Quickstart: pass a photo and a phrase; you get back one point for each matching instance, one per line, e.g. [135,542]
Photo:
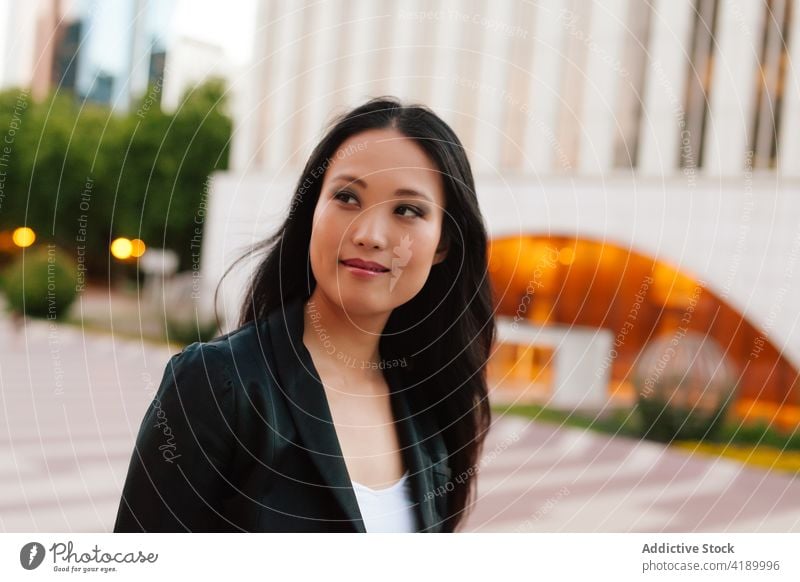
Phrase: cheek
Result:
[326,234]
[428,240]
[423,249]
[320,247]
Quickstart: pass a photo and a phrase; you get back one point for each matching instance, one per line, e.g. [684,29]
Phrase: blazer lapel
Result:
[309,407]
[312,416]
[415,453]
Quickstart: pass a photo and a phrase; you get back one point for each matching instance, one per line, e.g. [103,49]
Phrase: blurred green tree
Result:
[81,175]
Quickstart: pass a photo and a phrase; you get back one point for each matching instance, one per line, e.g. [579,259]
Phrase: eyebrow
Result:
[399,192]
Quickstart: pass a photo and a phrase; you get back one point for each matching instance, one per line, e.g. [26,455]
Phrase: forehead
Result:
[387,157]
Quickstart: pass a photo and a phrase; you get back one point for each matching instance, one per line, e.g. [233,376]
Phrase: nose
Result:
[368,230]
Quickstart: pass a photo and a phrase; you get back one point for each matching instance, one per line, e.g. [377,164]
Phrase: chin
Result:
[355,301]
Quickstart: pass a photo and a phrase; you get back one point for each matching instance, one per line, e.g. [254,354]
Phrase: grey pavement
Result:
[544,478]
[72,403]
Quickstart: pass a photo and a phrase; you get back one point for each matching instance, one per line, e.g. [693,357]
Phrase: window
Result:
[629,113]
[698,85]
[770,81]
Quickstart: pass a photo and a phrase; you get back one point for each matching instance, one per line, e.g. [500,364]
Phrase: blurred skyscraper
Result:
[106,51]
[137,29]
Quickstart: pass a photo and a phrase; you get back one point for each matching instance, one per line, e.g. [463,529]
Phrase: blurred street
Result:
[73,401]
[562,479]
[72,404]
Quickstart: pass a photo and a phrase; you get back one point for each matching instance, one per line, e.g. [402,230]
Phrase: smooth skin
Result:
[365,210]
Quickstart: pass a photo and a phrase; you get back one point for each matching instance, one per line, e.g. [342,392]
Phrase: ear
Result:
[441,251]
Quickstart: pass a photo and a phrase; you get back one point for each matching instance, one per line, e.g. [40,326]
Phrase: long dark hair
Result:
[447,329]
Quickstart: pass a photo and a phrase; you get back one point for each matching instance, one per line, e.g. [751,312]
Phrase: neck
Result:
[342,341]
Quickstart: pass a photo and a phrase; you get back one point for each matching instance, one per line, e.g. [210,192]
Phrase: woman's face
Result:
[382,201]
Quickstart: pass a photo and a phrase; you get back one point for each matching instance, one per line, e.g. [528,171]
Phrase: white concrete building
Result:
[668,128]
[189,63]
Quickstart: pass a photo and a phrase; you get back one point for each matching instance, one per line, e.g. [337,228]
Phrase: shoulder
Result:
[209,363]
[196,395]
[260,355]
[234,359]
[225,349]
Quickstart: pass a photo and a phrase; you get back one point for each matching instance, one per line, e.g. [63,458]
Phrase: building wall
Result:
[25,30]
[578,119]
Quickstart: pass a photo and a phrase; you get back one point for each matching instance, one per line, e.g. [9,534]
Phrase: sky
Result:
[229,24]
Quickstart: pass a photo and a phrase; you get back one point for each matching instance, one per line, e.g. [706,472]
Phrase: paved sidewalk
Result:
[544,478]
[72,404]
[71,407]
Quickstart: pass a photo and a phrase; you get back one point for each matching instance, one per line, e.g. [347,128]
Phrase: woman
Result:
[352,396]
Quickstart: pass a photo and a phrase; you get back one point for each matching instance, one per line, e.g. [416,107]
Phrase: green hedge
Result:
[664,422]
[41,282]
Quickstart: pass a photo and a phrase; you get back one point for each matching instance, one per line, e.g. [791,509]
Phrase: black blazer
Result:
[239,437]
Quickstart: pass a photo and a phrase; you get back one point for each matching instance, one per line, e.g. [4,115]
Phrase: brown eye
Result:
[343,193]
[417,213]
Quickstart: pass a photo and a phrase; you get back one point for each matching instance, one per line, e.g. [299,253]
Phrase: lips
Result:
[367,265]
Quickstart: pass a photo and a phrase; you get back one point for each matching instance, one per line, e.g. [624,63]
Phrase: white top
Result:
[388,510]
